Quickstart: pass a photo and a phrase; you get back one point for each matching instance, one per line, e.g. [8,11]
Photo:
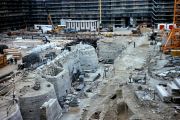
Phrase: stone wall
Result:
[61,82]
[109,48]
[59,72]
[40,91]
[14,113]
[88,58]
[51,110]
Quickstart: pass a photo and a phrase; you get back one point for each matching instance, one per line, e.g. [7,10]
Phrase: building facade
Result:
[82,25]
[162,11]
[14,15]
[117,13]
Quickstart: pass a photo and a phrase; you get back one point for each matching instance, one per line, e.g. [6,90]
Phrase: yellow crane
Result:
[55,29]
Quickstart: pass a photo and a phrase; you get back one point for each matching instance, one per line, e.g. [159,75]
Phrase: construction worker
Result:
[145,78]
[130,78]
[15,61]
[11,61]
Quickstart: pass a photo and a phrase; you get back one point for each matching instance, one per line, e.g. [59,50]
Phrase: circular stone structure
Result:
[31,100]
[9,110]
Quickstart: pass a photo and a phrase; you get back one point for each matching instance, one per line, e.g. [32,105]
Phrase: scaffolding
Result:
[173,41]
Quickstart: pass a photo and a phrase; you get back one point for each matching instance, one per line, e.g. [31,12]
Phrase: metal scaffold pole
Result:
[100,11]
[100,15]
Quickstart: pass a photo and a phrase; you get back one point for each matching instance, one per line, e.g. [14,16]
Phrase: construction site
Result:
[90,60]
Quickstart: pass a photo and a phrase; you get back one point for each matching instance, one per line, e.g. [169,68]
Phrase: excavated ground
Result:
[112,97]
[105,104]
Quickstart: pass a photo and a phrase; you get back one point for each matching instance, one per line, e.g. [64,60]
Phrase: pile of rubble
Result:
[49,92]
[169,69]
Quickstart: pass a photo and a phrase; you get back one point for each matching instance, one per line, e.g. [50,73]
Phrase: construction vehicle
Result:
[141,28]
[55,29]
[108,34]
[173,40]
[136,30]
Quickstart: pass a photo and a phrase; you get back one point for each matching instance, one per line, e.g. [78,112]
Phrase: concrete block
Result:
[163,94]
[173,89]
[177,82]
[51,110]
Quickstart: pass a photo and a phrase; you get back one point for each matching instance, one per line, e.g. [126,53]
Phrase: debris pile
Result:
[145,96]
[168,70]
[138,76]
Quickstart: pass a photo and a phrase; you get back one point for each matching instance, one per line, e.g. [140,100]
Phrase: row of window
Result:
[81,24]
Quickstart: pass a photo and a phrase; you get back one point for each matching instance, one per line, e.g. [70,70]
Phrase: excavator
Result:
[55,29]
[172,43]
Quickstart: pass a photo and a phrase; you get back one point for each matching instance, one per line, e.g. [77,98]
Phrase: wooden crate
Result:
[175,52]
[3,60]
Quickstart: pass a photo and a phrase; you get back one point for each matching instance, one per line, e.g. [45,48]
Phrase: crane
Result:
[55,29]
[173,40]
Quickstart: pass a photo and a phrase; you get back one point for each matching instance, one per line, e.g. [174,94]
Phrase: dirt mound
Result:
[119,111]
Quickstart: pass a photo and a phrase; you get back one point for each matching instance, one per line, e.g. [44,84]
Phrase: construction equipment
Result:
[55,29]
[108,34]
[136,30]
[173,40]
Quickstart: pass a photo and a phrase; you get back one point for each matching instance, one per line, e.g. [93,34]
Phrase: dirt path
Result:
[134,58]
[131,58]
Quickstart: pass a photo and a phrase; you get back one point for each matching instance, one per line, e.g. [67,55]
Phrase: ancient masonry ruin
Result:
[40,92]
[60,71]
